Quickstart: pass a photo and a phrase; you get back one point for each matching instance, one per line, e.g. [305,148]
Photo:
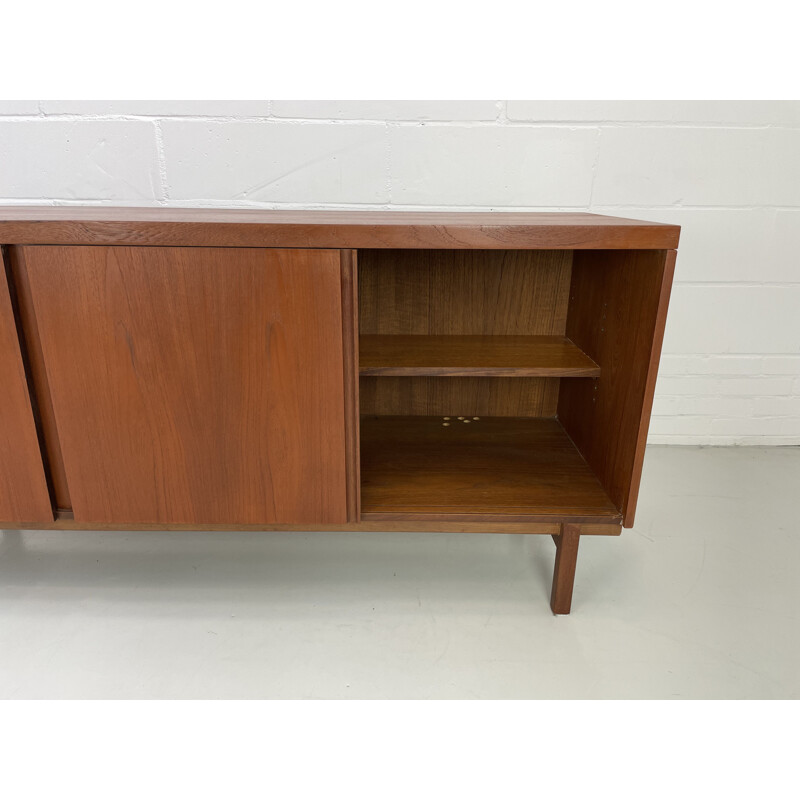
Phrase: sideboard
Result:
[376,371]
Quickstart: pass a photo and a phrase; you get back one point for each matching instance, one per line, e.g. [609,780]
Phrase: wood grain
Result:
[616,316]
[195,385]
[351,354]
[498,356]
[328,229]
[24,493]
[485,469]
[456,293]
[487,397]
[51,446]
[452,292]
[650,385]
[564,571]
[64,523]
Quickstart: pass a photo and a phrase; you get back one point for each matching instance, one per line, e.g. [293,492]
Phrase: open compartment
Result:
[504,384]
[461,357]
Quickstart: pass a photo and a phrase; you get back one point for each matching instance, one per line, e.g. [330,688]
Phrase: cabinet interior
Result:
[462,356]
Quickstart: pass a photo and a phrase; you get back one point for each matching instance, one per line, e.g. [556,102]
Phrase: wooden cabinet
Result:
[331,370]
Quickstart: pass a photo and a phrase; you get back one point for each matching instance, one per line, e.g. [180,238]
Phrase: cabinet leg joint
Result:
[564,571]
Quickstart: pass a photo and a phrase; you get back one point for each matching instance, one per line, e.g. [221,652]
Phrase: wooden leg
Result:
[564,572]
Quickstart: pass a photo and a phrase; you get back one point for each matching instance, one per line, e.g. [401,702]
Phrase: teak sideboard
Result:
[267,370]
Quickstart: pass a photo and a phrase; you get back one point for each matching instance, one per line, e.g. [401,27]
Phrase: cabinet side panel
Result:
[195,385]
[24,496]
[617,312]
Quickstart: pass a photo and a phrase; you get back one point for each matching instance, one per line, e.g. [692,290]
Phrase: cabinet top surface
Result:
[348,229]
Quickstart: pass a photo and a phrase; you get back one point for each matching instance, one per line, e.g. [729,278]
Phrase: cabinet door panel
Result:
[195,385]
[23,487]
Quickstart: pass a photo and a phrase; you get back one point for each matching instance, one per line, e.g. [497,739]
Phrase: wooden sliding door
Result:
[23,488]
[195,385]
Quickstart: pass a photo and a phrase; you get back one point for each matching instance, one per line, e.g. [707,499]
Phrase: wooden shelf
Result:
[498,356]
[494,468]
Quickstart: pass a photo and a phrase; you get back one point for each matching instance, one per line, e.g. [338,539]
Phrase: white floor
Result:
[700,600]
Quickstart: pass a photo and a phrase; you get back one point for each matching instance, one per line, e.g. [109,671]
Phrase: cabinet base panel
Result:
[64,522]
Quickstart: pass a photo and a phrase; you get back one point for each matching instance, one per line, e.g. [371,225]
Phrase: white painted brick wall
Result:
[275,162]
[728,172]
[99,160]
[499,165]
[698,166]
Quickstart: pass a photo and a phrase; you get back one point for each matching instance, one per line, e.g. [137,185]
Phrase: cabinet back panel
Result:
[489,397]
[451,292]
[462,292]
